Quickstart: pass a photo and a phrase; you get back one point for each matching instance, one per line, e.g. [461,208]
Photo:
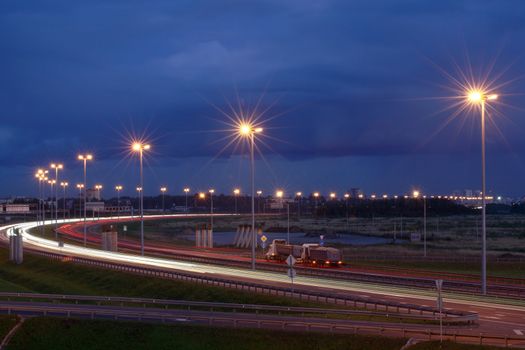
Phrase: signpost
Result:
[290,261]
[439,286]
[263,240]
[321,240]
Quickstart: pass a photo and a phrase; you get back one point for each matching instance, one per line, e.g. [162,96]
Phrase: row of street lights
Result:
[248,131]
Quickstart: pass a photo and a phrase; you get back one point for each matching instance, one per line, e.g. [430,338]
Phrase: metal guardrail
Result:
[223,306]
[347,300]
[256,321]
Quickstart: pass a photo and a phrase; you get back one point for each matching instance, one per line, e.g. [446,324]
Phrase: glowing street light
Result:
[118,188]
[57,167]
[332,195]
[140,148]
[186,192]
[299,196]
[478,97]
[347,196]
[163,191]
[211,191]
[84,158]
[236,192]
[64,184]
[80,187]
[247,130]
[417,194]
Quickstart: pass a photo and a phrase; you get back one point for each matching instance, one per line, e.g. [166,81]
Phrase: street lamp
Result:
[163,191]
[186,191]
[346,196]
[80,187]
[85,158]
[211,191]
[98,188]
[118,188]
[416,195]
[332,195]
[57,167]
[140,148]
[247,130]
[299,196]
[236,193]
[316,198]
[259,194]
[52,184]
[480,98]
[64,185]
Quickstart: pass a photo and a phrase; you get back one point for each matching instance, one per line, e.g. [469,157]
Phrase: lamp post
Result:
[299,196]
[248,131]
[99,189]
[211,191]
[347,196]
[85,158]
[186,191]
[64,185]
[140,148]
[52,183]
[316,198]
[236,193]
[416,195]
[80,187]
[163,191]
[259,194]
[480,98]
[118,188]
[57,167]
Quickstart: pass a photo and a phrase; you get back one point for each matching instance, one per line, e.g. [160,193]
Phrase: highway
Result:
[508,288]
[496,317]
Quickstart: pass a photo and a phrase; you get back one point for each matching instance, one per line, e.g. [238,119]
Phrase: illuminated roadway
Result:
[497,317]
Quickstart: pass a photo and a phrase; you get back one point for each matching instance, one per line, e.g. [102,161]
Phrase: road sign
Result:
[263,238]
[290,260]
[321,240]
[292,273]
[124,228]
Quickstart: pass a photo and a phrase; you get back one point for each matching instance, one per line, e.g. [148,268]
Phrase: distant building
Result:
[355,192]
[92,194]
[15,208]
[95,206]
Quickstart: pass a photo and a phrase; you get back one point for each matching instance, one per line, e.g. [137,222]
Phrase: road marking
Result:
[518,332]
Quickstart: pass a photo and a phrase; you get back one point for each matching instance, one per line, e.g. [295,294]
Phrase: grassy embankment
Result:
[58,334]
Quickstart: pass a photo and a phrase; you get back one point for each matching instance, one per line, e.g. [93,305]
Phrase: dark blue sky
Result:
[352,83]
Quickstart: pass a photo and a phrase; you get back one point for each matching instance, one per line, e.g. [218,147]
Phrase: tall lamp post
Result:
[140,148]
[248,131]
[211,192]
[118,188]
[299,196]
[64,185]
[84,158]
[236,193]
[259,194]
[57,167]
[480,98]
[416,195]
[316,198]
[80,187]
[99,189]
[347,196]
[186,192]
[163,191]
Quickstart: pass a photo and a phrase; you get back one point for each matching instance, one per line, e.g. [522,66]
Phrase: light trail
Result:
[261,276]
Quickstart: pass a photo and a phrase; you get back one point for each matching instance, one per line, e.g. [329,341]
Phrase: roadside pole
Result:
[439,286]
[290,261]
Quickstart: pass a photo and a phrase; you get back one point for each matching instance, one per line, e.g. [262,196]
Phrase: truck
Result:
[315,255]
[279,250]
[307,254]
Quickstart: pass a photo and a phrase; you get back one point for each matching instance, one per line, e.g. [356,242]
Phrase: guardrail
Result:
[213,318]
[234,307]
[302,294]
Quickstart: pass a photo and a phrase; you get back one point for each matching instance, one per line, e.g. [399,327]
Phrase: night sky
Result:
[353,91]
